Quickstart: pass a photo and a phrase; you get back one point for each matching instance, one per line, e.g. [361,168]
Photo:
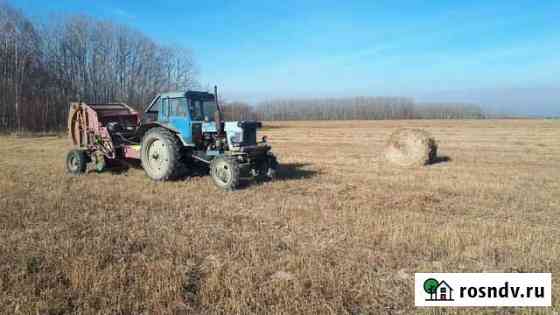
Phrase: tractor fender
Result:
[147,126]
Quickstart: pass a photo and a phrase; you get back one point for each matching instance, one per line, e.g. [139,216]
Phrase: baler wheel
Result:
[161,154]
[100,162]
[225,173]
[76,162]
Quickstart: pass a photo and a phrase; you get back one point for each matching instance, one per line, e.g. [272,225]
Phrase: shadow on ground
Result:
[290,171]
[122,166]
[285,172]
[441,159]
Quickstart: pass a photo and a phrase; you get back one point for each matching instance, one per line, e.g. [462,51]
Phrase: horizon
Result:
[500,56]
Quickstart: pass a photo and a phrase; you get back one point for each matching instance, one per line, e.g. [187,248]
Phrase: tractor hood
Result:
[242,133]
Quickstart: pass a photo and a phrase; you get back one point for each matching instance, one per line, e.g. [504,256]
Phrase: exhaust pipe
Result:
[218,116]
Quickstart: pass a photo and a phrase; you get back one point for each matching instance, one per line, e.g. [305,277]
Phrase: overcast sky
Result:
[501,54]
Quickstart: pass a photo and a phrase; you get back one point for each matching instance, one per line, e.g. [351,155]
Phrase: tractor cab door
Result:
[179,118]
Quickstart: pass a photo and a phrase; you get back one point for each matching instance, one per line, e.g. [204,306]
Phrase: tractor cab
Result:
[190,114]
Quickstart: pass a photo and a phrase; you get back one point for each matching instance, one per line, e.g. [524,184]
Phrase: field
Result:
[340,231]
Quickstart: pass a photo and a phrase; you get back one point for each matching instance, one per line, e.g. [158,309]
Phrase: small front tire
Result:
[225,173]
[272,167]
[266,168]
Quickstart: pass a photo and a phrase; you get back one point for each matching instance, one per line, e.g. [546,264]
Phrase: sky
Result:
[503,55]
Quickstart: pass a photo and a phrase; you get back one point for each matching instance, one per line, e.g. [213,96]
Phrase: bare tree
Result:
[79,58]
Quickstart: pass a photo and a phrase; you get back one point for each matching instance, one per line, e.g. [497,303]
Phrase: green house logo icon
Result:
[438,290]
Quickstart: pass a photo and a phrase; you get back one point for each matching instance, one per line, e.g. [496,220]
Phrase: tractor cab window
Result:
[165,107]
[155,107]
[203,110]
[178,107]
[196,110]
[151,114]
[209,109]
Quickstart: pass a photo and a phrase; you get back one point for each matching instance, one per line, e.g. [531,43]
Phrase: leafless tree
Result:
[44,66]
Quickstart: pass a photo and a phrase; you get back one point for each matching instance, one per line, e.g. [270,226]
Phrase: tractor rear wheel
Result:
[161,154]
[225,173]
[76,162]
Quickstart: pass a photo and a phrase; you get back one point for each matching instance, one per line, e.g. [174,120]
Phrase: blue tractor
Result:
[180,129]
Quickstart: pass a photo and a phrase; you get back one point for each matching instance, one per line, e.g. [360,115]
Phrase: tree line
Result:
[350,108]
[46,65]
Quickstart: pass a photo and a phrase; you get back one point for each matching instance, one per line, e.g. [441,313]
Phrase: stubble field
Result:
[341,231]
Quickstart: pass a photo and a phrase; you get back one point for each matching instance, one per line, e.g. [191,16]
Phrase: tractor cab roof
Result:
[189,94]
[195,95]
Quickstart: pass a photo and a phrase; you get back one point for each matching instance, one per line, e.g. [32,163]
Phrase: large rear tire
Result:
[225,173]
[161,154]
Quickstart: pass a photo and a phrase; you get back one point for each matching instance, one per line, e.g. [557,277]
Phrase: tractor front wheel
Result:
[225,173]
[266,168]
[161,154]
[76,162]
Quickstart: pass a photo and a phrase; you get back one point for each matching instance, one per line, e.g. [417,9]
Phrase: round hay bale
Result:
[411,147]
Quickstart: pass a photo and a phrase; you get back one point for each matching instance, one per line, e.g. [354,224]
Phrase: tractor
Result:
[177,131]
